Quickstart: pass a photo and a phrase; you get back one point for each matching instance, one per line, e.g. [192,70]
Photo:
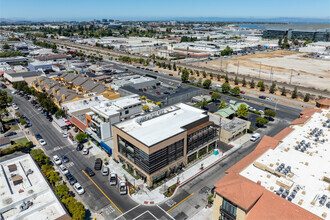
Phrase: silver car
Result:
[105,171]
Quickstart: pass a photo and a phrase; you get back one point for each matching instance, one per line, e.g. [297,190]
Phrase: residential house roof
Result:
[225,112]
[78,81]
[324,101]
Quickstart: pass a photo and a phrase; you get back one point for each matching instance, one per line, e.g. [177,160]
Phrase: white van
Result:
[255,137]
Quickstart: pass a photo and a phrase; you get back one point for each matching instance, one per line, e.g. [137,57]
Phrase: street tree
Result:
[261,121]
[207,83]
[81,137]
[215,96]
[252,84]
[283,91]
[294,94]
[202,104]
[270,113]
[145,108]
[59,113]
[262,87]
[272,88]
[199,82]
[242,111]
[184,75]
[62,192]
[192,79]
[225,87]
[222,105]
[235,91]
[236,80]
[244,82]
[306,98]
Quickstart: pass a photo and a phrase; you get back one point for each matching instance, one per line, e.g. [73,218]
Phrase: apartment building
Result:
[284,177]
[156,145]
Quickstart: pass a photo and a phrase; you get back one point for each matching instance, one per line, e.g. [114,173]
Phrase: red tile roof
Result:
[325,101]
[265,144]
[272,206]
[239,190]
[78,123]
[282,134]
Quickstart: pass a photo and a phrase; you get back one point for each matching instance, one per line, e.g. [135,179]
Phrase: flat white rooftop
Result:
[29,187]
[112,107]
[84,104]
[308,168]
[165,123]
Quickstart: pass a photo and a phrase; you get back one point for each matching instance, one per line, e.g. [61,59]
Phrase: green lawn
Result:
[21,141]
[13,128]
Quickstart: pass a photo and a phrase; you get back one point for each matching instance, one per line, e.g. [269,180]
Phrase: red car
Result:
[158,93]
[242,92]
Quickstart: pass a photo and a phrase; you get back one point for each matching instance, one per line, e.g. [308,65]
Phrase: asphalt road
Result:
[95,199]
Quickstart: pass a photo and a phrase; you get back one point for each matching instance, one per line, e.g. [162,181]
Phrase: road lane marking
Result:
[102,192]
[165,212]
[122,214]
[180,202]
[145,213]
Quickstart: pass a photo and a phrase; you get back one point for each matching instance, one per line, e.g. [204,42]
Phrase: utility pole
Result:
[271,75]
[237,67]
[259,70]
[226,68]
[290,78]
[220,128]
[221,64]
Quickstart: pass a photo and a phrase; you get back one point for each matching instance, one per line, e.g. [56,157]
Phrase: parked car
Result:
[122,188]
[242,92]
[85,151]
[26,150]
[15,106]
[79,189]
[261,112]
[113,179]
[10,134]
[157,92]
[255,137]
[28,124]
[63,169]
[80,147]
[57,160]
[105,171]
[262,97]
[65,159]
[38,136]
[89,171]
[65,134]
[71,178]
[42,142]
[98,164]
[252,109]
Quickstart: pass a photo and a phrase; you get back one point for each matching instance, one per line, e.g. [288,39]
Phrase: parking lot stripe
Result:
[103,192]
[180,202]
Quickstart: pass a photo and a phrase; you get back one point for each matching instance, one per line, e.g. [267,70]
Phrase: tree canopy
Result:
[225,87]
[207,83]
[81,137]
[242,111]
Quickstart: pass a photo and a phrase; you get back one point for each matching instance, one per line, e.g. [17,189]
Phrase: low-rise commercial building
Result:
[232,129]
[156,145]
[25,194]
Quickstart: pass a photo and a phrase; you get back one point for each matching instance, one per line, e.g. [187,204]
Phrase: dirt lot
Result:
[308,72]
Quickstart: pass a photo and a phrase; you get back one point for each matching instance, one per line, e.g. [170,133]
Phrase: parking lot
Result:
[168,92]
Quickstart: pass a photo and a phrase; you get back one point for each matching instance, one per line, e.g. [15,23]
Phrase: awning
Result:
[59,122]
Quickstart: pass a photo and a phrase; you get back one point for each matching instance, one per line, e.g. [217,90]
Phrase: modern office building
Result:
[284,177]
[315,35]
[156,145]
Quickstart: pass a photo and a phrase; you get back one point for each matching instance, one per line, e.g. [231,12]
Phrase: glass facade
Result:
[200,137]
[153,162]
[228,210]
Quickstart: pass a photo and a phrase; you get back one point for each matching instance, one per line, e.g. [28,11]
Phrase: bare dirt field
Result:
[307,72]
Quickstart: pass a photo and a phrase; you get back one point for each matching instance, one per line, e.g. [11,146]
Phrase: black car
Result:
[65,159]
[26,150]
[262,97]
[71,178]
[80,147]
[28,125]
[38,136]
[10,134]
[3,86]
[98,164]
[89,171]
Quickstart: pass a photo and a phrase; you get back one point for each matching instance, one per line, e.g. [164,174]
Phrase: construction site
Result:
[289,67]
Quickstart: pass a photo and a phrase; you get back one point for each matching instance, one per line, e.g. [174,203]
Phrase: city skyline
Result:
[149,10]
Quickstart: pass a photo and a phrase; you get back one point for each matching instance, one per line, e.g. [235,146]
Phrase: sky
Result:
[149,9]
